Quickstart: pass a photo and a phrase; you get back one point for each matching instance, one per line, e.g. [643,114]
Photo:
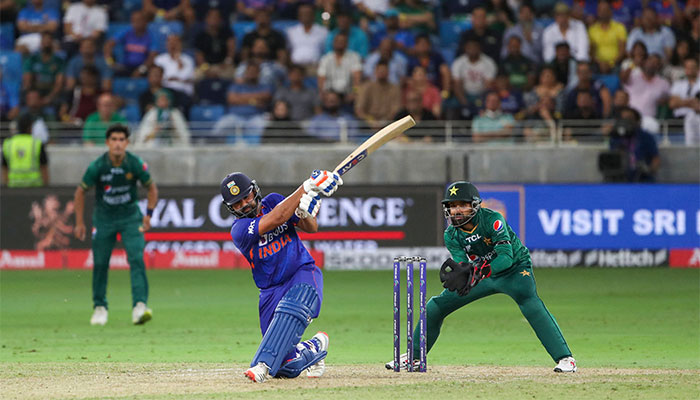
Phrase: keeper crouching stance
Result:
[291,285]
[487,258]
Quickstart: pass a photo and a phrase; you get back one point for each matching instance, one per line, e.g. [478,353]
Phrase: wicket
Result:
[409,313]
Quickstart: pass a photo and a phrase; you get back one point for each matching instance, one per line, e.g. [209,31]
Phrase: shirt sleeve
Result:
[498,232]
[456,251]
[70,17]
[245,233]
[101,19]
[90,177]
[144,174]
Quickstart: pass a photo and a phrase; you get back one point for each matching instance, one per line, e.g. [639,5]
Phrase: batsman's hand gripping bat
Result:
[377,140]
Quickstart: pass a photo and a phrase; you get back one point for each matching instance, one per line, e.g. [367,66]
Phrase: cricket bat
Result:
[371,145]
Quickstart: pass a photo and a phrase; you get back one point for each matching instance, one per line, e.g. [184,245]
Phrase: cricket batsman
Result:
[291,285]
[487,258]
[115,175]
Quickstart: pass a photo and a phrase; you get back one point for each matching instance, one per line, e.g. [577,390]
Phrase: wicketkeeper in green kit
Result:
[487,258]
[114,176]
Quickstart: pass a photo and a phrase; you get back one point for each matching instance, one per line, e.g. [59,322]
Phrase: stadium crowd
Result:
[261,68]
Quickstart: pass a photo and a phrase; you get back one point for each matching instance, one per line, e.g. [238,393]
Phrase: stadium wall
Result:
[395,164]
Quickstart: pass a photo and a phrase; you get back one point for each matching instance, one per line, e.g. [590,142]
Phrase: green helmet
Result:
[461,191]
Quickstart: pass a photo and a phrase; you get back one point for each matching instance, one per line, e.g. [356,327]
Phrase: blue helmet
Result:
[236,187]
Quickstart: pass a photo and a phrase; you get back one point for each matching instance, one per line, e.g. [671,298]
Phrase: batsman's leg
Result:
[521,286]
[103,241]
[134,243]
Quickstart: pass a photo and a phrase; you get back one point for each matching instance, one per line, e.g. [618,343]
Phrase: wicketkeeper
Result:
[487,258]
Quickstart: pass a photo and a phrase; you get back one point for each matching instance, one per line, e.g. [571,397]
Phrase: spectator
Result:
[489,39]
[378,100]
[97,123]
[646,88]
[81,101]
[43,71]
[518,68]
[638,148]
[333,124]
[499,16]
[139,48]
[413,106]
[472,73]
[395,60]
[429,93]
[341,70]
[404,39]
[529,32]
[564,65]
[540,123]
[675,69]
[9,10]
[511,99]
[248,9]
[33,20]
[302,102]
[163,124]
[88,56]
[282,128]
[493,125]
[147,99]
[272,73]
[684,93]
[668,11]
[215,47]
[357,38]
[247,102]
[584,108]
[275,40]
[626,12]
[584,82]
[565,29]
[657,38]
[635,61]
[35,108]
[84,20]
[306,39]
[169,10]
[547,86]
[608,39]
[9,101]
[434,64]
[178,72]
[24,160]
[691,125]
[621,100]
[372,8]
[416,16]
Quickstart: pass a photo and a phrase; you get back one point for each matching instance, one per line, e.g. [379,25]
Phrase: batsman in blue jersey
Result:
[291,285]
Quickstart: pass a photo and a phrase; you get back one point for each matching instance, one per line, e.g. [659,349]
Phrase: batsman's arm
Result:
[79,206]
[308,225]
[281,213]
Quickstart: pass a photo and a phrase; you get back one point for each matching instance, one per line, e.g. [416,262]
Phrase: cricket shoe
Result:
[141,314]
[99,316]
[320,341]
[259,373]
[402,361]
[566,364]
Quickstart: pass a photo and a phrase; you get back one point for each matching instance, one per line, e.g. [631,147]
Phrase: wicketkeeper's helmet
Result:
[461,191]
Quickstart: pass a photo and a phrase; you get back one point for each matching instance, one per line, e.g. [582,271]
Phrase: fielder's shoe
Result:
[402,361]
[141,314]
[566,364]
[259,373]
[320,341]
[99,316]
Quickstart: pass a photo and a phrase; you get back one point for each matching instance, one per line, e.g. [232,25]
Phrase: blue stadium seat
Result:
[283,24]
[7,36]
[161,29]
[131,112]
[611,81]
[212,91]
[206,113]
[131,5]
[117,28]
[240,28]
[11,64]
[129,88]
[448,53]
[450,32]
[311,82]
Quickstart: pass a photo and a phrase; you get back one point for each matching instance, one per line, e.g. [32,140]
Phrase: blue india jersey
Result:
[274,256]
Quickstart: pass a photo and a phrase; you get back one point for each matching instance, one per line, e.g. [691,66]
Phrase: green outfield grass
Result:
[611,318]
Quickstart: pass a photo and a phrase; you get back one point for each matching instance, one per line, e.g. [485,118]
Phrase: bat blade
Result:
[376,141]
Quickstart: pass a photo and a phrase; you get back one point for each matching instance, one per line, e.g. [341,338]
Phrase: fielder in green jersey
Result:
[488,258]
[115,175]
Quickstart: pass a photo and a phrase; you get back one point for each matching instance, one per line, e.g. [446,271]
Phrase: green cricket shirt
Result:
[491,239]
[116,194]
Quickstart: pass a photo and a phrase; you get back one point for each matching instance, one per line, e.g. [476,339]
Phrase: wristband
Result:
[149,212]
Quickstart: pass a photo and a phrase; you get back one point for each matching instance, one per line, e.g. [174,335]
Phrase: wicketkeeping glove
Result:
[309,204]
[325,182]
[462,277]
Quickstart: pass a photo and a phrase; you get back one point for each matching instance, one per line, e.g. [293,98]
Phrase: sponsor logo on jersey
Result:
[145,166]
[108,188]
[251,228]
[129,175]
[498,225]
[472,238]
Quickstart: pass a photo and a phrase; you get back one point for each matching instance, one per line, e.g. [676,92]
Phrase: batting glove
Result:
[309,204]
[325,182]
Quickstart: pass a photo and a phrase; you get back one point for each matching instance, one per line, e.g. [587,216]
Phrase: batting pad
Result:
[292,316]
[304,357]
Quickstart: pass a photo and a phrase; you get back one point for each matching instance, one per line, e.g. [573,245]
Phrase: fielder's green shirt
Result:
[116,194]
[491,239]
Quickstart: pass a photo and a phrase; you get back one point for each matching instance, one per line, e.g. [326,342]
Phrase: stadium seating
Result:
[611,81]
[160,30]
[131,112]
[115,29]
[450,32]
[212,91]
[129,88]
[240,28]
[206,113]
[283,24]
[11,64]
[7,36]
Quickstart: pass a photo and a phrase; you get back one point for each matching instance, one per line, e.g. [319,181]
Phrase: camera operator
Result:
[636,148]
